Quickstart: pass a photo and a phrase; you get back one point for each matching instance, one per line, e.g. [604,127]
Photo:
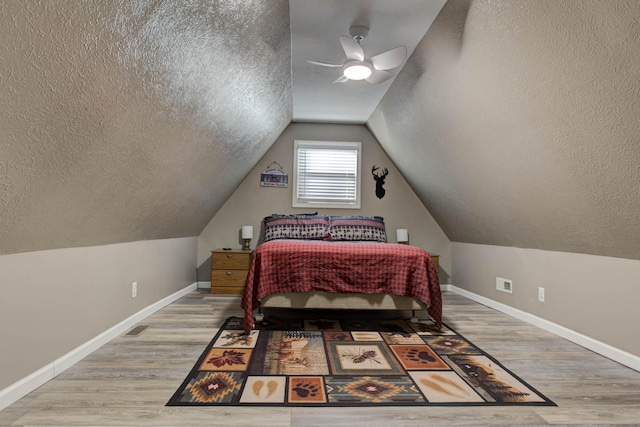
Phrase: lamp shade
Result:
[247,232]
[402,235]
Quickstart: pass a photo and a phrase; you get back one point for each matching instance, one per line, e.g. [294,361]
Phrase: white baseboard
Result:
[204,285]
[601,348]
[34,380]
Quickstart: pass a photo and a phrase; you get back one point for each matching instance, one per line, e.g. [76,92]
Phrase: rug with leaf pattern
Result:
[333,362]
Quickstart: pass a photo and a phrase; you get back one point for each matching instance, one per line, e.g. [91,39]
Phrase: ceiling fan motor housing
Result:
[358,32]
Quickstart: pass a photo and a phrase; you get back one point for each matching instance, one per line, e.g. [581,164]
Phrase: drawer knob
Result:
[229,255]
[229,273]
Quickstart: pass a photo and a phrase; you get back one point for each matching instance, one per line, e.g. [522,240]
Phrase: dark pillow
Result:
[297,226]
[357,228]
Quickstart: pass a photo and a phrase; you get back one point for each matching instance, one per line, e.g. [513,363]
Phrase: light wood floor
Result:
[128,381]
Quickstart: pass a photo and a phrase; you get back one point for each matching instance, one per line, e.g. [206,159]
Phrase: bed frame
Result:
[336,301]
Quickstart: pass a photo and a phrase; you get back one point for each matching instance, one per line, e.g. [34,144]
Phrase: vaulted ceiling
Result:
[515,122]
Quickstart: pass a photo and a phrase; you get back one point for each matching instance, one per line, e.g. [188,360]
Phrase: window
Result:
[326,174]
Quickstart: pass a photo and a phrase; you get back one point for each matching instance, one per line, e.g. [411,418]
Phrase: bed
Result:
[316,261]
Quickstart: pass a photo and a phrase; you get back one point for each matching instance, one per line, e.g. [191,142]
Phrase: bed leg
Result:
[259,316]
[413,319]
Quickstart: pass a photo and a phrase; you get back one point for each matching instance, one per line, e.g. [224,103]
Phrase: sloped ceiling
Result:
[133,120]
[516,123]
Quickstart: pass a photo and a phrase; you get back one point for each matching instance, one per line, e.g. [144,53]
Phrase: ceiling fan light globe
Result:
[358,71]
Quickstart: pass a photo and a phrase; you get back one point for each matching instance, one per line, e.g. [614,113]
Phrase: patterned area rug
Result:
[310,362]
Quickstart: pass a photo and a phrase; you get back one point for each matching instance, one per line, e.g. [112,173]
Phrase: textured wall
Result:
[133,120]
[516,124]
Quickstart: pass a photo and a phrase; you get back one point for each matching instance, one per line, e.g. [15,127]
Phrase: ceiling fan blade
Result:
[341,79]
[389,59]
[324,64]
[352,48]
[379,76]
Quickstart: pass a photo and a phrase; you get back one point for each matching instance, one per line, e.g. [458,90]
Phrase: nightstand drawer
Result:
[230,260]
[228,278]
[229,270]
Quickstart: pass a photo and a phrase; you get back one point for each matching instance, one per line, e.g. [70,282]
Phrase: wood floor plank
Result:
[128,381]
[417,416]
[158,416]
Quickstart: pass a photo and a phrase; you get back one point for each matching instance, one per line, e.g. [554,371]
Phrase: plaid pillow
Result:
[299,226]
[357,228]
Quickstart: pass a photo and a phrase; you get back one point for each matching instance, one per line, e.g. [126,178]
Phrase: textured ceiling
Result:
[133,120]
[516,124]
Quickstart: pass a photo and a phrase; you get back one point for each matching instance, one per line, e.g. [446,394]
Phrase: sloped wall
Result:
[521,121]
[515,122]
[250,203]
[133,120]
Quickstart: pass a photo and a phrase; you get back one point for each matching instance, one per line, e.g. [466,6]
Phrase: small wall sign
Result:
[274,176]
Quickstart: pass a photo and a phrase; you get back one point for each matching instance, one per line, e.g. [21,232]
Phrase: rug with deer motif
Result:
[332,362]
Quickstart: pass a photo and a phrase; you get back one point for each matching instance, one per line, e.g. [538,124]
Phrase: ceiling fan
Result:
[358,67]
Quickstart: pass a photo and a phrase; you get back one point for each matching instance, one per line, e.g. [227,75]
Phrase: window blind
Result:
[327,175]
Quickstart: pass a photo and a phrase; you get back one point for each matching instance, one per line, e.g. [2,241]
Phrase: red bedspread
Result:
[281,266]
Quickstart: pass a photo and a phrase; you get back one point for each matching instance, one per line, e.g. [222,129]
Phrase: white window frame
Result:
[299,202]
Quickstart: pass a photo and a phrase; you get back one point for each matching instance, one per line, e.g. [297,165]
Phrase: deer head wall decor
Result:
[379,175]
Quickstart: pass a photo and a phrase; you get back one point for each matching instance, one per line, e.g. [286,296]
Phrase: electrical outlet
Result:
[134,289]
[541,294]
[504,285]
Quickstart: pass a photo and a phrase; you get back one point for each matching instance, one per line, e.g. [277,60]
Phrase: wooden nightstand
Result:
[436,260]
[229,270]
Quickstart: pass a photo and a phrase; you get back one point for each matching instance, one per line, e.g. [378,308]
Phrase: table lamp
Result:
[402,235]
[247,235]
